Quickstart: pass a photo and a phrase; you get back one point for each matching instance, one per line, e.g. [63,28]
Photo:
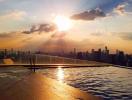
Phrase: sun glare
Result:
[63,23]
[60,74]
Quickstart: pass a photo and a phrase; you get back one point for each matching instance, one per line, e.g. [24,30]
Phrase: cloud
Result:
[7,35]
[124,35]
[41,28]
[89,15]
[46,28]
[120,9]
[13,15]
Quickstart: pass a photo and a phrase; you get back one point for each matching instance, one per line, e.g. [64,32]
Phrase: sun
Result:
[63,23]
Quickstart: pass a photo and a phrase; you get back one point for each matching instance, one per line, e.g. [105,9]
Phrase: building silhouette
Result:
[100,55]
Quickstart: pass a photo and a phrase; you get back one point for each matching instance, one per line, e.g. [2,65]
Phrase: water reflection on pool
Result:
[111,83]
[60,74]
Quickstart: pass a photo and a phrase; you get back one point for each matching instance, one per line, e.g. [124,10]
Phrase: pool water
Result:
[110,83]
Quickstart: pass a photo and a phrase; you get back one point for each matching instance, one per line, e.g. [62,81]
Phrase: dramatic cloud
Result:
[41,28]
[46,28]
[89,15]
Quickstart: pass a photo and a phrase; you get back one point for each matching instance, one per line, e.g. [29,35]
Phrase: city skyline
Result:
[101,55]
[63,25]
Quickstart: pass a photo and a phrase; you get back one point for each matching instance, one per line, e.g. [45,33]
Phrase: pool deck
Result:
[9,63]
[56,65]
[36,86]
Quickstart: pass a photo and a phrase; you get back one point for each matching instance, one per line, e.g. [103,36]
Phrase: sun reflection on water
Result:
[60,74]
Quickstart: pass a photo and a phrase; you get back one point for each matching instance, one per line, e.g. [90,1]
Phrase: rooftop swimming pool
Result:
[111,83]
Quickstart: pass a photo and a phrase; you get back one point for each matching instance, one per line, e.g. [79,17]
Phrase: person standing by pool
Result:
[32,61]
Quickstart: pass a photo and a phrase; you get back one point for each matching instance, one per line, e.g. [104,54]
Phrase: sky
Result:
[29,25]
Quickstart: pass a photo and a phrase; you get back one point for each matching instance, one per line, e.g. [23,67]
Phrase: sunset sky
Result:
[57,25]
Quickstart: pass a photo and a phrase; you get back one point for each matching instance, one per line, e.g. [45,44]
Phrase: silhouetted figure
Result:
[32,61]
